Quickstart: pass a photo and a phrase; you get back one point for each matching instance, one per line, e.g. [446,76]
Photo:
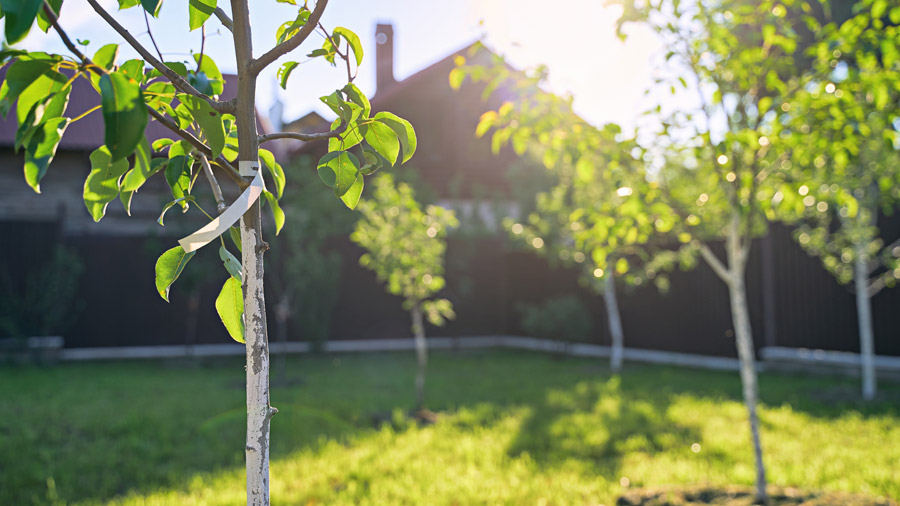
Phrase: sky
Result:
[574,38]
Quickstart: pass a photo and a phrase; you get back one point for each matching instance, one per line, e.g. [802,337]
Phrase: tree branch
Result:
[229,169]
[213,184]
[715,263]
[301,136]
[150,33]
[65,37]
[256,66]
[177,80]
[224,19]
[197,143]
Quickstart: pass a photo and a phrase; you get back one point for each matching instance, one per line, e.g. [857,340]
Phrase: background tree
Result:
[845,164]
[601,213]
[405,248]
[716,158]
[211,133]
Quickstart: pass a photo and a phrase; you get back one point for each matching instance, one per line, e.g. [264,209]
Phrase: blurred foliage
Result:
[46,302]
[303,272]
[841,132]
[562,318]
[405,245]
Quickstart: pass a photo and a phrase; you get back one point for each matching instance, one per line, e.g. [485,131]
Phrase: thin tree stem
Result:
[257,65]
[177,80]
[213,184]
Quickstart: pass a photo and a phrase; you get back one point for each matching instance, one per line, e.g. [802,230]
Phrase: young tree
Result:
[845,163]
[211,132]
[710,163]
[602,214]
[405,248]
[719,176]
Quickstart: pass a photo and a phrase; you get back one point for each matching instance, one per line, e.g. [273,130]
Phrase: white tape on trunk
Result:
[224,221]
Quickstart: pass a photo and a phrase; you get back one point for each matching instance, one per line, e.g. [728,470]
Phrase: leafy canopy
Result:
[405,245]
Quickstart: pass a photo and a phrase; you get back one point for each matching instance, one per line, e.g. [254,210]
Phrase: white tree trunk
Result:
[615,324]
[421,355]
[259,411]
[866,332]
[740,316]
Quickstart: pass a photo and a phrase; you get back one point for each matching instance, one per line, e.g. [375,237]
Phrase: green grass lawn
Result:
[515,428]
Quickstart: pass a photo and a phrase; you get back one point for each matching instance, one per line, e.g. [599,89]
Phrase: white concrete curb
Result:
[784,356]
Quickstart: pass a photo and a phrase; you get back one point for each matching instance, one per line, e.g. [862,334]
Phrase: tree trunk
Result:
[259,411]
[746,356]
[421,355]
[740,315]
[615,324]
[866,333]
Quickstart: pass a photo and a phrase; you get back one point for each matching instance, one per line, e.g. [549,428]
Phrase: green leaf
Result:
[359,98]
[43,20]
[338,170]
[176,66]
[183,201]
[38,91]
[178,175]
[210,122]
[106,56]
[277,212]
[135,178]
[52,106]
[144,167]
[353,40]
[133,69]
[168,267]
[374,161]
[20,76]
[404,131]
[351,198]
[230,306]
[127,4]
[161,144]
[383,139]
[284,72]
[152,6]
[102,184]
[352,136]
[290,28]
[42,149]
[124,114]
[235,234]
[333,101]
[209,68]
[20,16]
[199,11]
[232,264]
[276,171]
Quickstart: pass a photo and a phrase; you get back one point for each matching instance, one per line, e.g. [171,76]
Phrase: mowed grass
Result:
[514,428]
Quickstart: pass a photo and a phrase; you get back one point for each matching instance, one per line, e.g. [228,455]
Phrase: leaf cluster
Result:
[405,245]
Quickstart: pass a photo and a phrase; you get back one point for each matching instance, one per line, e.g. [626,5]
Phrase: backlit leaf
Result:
[102,184]
[168,267]
[124,114]
[230,306]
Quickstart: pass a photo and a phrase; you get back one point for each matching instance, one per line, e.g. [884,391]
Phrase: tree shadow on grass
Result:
[595,424]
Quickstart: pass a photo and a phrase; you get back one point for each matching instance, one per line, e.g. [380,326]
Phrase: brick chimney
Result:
[384,57]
